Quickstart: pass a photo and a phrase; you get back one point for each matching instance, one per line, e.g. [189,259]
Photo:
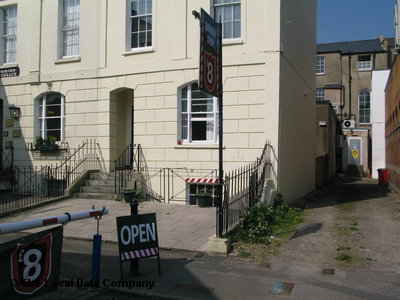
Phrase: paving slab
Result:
[175,222]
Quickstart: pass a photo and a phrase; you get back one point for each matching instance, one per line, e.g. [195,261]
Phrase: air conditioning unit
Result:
[349,124]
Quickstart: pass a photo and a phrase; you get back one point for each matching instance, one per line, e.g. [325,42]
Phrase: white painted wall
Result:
[379,80]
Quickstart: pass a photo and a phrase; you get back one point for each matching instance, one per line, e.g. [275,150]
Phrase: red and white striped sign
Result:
[139,253]
[201,180]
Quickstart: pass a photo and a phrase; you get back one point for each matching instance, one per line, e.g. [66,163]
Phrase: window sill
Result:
[320,74]
[228,42]
[364,70]
[191,146]
[66,60]
[138,51]
[8,66]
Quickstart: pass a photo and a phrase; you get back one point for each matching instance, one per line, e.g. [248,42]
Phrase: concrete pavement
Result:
[180,227]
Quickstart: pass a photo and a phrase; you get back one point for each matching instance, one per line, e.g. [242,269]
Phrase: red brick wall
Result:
[392,122]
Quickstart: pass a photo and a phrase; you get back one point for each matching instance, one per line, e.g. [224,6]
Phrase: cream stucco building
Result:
[125,71]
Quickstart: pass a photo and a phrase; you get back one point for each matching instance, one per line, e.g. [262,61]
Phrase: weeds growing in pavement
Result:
[262,222]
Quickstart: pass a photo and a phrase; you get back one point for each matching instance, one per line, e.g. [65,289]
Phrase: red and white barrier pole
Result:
[64,218]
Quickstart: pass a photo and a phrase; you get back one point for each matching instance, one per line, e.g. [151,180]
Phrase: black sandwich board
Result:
[137,238]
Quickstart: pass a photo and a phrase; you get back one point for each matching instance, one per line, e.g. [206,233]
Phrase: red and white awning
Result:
[201,180]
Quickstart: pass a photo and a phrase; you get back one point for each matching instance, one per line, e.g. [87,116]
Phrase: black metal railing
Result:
[28,186]
[243,188]
[128,163]
[7,160]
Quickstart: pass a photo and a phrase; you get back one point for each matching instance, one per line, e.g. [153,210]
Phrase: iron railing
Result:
[28,186]
[7,160]
[243,188]
[126,165]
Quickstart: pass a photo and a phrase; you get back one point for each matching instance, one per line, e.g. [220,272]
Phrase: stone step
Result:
[98,196]
[355,171]
[98,189]
[103,176]
[92,182]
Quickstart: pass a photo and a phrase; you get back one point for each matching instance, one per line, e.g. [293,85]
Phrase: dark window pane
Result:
[135,26]
[148,38]
[53,110]
[142,39]
[199,131]
[56,133]
[53,124]
[53,99]
[184,93]
[134,41]
[142,24]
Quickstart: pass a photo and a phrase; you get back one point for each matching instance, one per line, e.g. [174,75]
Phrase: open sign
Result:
[137,237]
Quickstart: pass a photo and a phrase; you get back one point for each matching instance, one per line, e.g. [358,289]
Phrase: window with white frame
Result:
[198,119]
[228,11]
[364,107]
[320,94]
[140,23]
[69,28]
[335,108]
[51,116]
[196,188]
[320,65]
[9,34]
[364,63]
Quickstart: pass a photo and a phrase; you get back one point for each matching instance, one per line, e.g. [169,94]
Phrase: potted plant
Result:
[128,194]
[48,144]
[204,199]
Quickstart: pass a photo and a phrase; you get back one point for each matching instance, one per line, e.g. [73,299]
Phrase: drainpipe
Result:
[40,41]
[350,79]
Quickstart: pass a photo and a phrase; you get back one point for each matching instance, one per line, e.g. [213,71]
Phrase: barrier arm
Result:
[62,219]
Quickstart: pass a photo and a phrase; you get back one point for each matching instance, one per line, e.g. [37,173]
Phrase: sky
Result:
[352,20]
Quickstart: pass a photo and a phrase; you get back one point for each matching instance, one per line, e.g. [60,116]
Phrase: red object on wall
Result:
[383,178]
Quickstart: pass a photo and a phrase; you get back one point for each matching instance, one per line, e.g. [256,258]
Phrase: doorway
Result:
[121,121]
[355,151]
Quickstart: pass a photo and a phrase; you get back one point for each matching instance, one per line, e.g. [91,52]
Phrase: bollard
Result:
[134,262]
[96,254]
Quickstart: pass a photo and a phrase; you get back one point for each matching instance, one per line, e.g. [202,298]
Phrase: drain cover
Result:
[282,288]
[328,271]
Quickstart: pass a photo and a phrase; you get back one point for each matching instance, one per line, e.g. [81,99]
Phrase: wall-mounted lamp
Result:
[15,112]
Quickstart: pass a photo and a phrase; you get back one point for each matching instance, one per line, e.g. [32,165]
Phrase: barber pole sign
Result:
[210,55]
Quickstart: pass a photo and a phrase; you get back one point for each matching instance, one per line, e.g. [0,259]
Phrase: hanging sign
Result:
[30,264]
[137,237]
[210,55]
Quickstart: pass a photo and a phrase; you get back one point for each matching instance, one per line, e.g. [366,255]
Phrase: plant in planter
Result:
[48,144]
[204,199]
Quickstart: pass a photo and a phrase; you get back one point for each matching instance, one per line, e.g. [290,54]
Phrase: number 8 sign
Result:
[31,264]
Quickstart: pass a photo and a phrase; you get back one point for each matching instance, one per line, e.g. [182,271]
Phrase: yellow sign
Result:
[355,153]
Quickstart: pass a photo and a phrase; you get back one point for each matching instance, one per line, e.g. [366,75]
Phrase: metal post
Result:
[96,255]
[134,262]
[220,134]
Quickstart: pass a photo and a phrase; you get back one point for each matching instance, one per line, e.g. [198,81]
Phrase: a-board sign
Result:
[210,55]
[137,236]
[30,265]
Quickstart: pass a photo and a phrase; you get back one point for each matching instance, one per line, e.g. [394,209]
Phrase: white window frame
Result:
[361,111]
[230,23]
[364,65]
[41,118]
[129,19]
[9,36]
[335,108]
[320,94]
[320,65]
[69,29]
[189,139]
[210,188]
